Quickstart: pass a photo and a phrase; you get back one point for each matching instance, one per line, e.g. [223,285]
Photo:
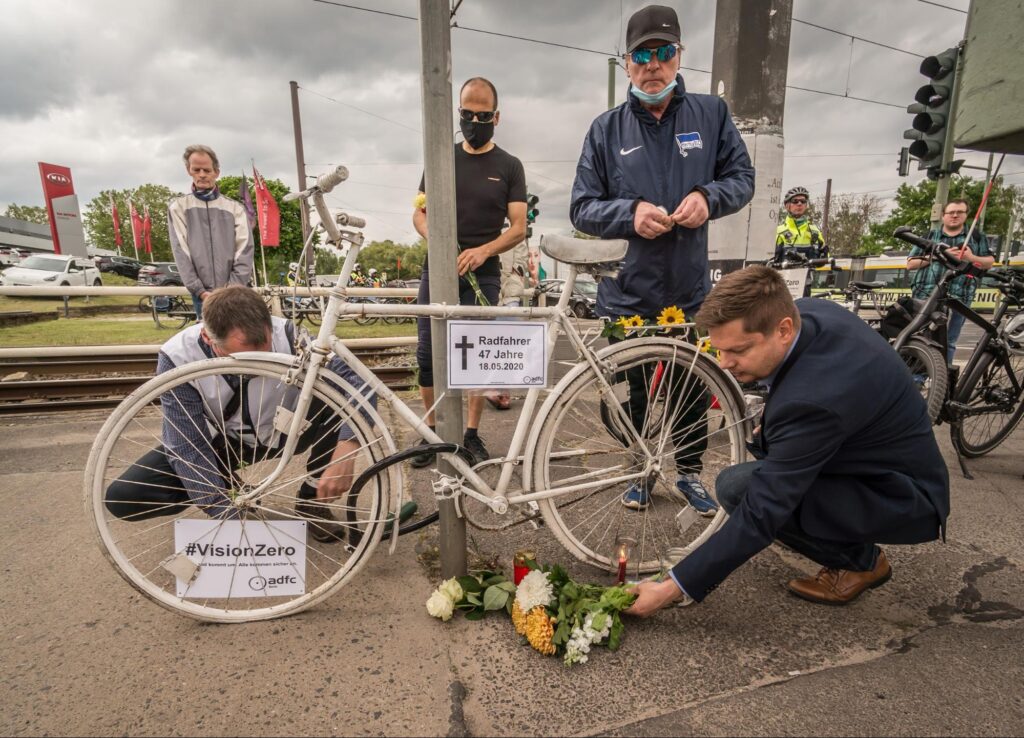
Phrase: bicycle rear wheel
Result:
[927,366]
[988,407]
[181,551]
[177,316]
[702,422]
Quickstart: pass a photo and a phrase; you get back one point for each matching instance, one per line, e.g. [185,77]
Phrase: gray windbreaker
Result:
[211,241]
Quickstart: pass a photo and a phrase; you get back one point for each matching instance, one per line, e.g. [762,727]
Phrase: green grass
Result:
[109,331]
[49,304]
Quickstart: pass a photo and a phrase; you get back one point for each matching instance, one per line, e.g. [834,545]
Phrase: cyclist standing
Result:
[927,274]
[797,232]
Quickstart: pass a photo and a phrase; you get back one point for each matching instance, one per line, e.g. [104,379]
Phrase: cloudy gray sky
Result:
[115,89]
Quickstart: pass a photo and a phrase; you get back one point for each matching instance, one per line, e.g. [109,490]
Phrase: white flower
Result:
[534,590]
[440,605]
[451,589]
[581,638]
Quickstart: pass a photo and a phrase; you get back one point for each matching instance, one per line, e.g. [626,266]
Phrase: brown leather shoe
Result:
[320,523]
[840,586]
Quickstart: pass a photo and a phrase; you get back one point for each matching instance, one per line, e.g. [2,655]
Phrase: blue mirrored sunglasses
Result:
[643,56]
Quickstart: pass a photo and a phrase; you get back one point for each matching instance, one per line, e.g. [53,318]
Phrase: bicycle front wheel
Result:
[989,404]
[206,554]
[587,438]
[927,366]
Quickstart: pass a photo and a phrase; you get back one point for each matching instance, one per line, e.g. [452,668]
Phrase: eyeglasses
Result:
[799,201]
[956,212]
[664,53]
[483,116]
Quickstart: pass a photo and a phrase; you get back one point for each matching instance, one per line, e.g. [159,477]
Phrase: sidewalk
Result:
[935,651]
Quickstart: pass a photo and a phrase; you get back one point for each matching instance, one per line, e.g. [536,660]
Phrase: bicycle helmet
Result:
[796,192]
[293,266]
[1015,329]
[372,272]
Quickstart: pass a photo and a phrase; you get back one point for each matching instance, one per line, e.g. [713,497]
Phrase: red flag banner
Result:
[137,226]
[267,211]
[147,230]
[117,223]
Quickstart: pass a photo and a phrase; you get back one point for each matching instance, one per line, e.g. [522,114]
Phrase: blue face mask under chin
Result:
[657,98]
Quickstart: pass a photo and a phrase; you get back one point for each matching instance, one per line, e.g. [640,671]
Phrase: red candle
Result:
[622,570]
[520,568]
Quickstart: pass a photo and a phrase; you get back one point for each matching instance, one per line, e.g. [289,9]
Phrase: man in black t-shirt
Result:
[490,186]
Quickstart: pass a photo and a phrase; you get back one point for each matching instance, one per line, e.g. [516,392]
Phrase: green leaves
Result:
[484,591]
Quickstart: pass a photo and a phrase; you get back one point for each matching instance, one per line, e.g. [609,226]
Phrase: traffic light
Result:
[932,112]
[903,167]
[531,208]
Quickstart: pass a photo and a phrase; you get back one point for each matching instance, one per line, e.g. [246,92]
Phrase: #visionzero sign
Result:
[491,353]
[237,558]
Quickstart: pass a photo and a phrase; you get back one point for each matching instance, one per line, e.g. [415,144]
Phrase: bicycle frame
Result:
[558,321]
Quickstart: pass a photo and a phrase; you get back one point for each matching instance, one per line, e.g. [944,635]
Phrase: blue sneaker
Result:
[690,487]
[637,497]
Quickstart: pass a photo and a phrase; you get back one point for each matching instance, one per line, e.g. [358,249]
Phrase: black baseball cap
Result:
[653,23]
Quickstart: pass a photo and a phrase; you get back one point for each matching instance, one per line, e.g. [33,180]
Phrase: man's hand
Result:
[963,253]
[204,294]
[471,259]
[650,221]
[692,211]
[652,596]
[337,477]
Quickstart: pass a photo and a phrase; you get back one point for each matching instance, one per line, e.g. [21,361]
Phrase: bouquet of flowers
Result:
[670,317]
[555,615]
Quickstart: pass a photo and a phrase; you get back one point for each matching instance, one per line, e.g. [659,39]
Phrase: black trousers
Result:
[731,487]
[149,488]
[689,430]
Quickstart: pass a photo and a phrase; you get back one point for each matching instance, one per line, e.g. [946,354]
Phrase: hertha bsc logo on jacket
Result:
[688,141]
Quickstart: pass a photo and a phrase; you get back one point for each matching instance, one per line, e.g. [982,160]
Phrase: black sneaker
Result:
[420,461]
[475,446]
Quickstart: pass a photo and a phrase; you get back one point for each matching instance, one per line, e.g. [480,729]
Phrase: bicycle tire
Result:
[977,433]
[138,549]
[927,366]
[572,445]
[145,304]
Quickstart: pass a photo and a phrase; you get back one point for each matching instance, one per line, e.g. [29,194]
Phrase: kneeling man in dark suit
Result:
[845,454]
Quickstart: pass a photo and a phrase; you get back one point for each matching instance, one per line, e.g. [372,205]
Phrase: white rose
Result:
[451,589]
[440,606]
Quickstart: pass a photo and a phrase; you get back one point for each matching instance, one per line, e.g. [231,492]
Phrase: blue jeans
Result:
[731,487]
[197,305]
[953,328]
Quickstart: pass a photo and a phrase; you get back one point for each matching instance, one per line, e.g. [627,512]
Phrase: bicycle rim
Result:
[984,420]
[703,420]
[928,369]
[150,543]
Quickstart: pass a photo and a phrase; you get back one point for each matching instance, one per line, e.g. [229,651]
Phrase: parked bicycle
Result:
[984,401]
[565,463]
[173,311]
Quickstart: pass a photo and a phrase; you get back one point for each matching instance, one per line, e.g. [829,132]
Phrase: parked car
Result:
[583,301]
[52,270]
[159,274]
[123,265]
[9,255]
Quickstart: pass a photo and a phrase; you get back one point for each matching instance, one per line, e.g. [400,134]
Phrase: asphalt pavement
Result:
[936,651]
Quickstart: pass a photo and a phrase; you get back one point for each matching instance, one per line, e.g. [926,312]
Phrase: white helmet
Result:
[372,271]
[796,192]
[1015,329]
[294,265]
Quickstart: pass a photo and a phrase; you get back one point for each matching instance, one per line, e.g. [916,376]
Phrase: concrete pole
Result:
[300,163]
[828,206]
[439,170]
[748,69]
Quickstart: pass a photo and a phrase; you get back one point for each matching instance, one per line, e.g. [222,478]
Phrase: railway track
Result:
[81,383]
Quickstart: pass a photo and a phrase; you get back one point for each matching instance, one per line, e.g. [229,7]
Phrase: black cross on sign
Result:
[465,345]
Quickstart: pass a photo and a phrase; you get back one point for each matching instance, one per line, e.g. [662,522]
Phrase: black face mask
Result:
[477,134]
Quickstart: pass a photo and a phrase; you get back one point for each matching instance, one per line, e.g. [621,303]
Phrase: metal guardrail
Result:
[174,290]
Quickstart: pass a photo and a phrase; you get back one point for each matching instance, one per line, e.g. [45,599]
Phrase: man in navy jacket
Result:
[653,171]
[846,456]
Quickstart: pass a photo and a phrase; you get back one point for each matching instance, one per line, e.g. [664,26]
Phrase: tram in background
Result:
[891,270]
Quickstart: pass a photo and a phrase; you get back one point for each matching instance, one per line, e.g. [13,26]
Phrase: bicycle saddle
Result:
[868,285]
[581,251]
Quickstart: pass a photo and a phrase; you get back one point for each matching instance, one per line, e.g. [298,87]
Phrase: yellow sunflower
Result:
[671,316]
[540,630]
[634,322]
[420,201]
[704,345]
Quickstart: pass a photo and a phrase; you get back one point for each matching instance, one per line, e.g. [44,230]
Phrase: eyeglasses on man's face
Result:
[664,53]
[798,201]
[957,213]
[482,116]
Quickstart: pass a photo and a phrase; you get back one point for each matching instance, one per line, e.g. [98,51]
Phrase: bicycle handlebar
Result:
[939,251]
[325,183]
[344,219]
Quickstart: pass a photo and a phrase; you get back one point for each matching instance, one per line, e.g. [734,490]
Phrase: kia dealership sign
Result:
[62,207]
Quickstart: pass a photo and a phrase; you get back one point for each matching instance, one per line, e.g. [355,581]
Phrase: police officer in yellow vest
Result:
[798,233]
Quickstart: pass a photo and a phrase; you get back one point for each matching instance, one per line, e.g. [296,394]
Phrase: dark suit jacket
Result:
[847,448]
